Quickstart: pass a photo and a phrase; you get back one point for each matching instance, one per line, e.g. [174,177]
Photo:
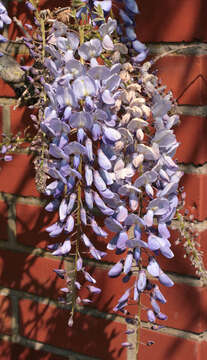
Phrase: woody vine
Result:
[104,149]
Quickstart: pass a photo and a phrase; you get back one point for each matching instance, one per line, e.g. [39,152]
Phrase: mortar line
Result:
[178,278]
[99,314]
[38,345]
[6,126]
[15,316]
[190,168]
[192,48]
[192,110]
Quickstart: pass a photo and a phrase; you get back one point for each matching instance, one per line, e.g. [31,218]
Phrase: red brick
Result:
[168,347]
[172,21]
[5,315]
[203,242]
[90,336]
[185,307]
[185,76]
[30,273]
[195,150]
[3,220]
[178,263]
[11,351]
[31,222]
[195,187]
[6,90]
[20,120]
[1,121]
[20,10]
[203,349]
[17,176]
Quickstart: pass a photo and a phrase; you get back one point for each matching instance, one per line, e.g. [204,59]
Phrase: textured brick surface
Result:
[3,221]
[168,347]
[29,273]
[186,77]
[196,190]
[192,149]
[90,335]
[5,315]
[31,222]
[17,176]
[11,351]
[20,120]
[172,20]
[185,307]
[6,90]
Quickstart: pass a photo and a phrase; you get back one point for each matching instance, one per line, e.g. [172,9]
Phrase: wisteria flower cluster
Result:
[105,146]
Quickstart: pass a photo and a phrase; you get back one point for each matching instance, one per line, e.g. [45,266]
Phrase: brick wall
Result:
[32,324]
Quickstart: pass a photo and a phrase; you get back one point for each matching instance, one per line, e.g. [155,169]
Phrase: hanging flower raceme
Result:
[105,146]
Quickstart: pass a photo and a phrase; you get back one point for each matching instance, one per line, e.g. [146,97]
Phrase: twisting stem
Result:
[79,191]
[173,51]
[138,329]
[42,26]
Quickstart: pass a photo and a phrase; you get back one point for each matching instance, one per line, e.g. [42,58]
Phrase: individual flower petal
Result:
[155,305]
[107,43]
[128,263]
[89,149]
[99,72]
[74,148]
[98,181]
[113,225]
[90,49]
[148,218]
[107,97]
[81,119]
[97,229]
[124,297]
[63,249]
[158,295]
[89,198]
[94,289]
[142,281]
[55,229]
[116,270]
[84,86]
[79,264]
[63,210]
[88,175]
[105,5]
[71,203]
[151,316]
[122,239]
[108,27]
[107,194]
[88,277]
[131,5]
[125,17]
[153,267]
[161,316]
[103,161]
[74,67]
[165,280]
[86,241]
[69,226]
[113,82]
[130,33]
[133,201]
[53,205]
[122,213]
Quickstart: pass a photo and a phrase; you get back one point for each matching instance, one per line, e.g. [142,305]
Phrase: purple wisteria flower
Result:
[4,18]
